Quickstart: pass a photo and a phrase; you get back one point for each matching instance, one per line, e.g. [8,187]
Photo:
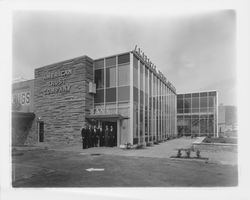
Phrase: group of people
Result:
[93,136]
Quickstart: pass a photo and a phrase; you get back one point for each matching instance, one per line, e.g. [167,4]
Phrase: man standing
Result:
[87,136]
[84,141]
[98,136]
[106,135]
[102,137]
[112,135]
[90,136]
[95,139]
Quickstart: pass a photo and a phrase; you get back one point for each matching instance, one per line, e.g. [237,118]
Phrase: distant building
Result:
[227,119]
[197,114]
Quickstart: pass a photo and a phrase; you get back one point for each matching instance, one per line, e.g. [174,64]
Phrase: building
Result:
[197,114]
[124,90]
[227,122]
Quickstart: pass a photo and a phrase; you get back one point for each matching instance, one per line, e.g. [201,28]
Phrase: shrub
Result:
[188,153]
[179,153]
[198,154]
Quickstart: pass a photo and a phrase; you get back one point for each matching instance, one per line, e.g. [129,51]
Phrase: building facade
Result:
[227,122]
[197,114]
[22,111]
[124,91]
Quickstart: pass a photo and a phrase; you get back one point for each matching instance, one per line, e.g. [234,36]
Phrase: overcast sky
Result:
[196,52]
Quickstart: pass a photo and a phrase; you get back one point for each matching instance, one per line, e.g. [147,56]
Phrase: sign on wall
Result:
[56,82]
[22,98]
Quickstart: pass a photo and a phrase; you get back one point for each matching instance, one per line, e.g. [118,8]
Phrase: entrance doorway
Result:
[41,131]
[114,125]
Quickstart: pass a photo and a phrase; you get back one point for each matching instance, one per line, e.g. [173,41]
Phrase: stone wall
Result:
[62,100]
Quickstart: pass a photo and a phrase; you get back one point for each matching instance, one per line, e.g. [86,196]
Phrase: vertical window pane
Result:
[110,61]
[203,102]
[99,96]
[211,101]
[135,94]
[123,75]
[135,78]
[99,78]
[111,95]
[111,77]
[187,105]
[123,58]
[123,93]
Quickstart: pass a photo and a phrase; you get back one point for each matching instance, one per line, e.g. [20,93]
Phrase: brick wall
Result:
[61,98]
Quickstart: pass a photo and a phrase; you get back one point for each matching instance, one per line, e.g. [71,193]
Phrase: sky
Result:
[195,51]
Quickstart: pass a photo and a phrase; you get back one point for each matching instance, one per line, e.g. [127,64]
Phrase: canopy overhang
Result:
[106,117]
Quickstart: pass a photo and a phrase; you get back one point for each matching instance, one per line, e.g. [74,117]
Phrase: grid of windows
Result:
[154,106]
[153,112]
[196,113]
[112,82]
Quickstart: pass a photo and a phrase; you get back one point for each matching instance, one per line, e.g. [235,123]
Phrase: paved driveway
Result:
[162,150]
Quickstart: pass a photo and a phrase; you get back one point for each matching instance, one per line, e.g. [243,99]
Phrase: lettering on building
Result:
[22,98]
[56,82]
[152,66]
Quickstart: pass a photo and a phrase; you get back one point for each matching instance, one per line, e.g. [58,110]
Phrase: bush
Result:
[188,152]
[198,154]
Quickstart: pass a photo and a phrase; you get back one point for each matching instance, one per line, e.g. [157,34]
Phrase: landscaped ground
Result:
[66,167]
[221,140]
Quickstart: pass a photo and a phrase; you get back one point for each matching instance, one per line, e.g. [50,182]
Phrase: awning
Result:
[107,117]
[27,115]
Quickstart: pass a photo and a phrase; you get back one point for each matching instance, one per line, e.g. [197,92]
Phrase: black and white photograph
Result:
[107,99]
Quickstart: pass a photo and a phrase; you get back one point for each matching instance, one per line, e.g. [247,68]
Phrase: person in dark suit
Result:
[98,135]
[87,136]
[91,137]
[106,135]
[112,137]
[95,139]
[84,140]
[102,137]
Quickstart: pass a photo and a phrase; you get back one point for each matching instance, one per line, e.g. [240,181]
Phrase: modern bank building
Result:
[125,91]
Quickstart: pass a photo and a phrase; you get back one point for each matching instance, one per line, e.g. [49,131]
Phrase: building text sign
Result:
[22,98]
[56,82]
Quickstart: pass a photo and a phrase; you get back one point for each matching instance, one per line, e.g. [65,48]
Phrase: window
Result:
[123,58]
[135,62]
[99,78]
[135,72]
[99,96]
[212,93]
[203,102]
[195,94]
[203,94]
[187,105]
[99,64]
[187,95]
[110,61]
[123,93]
[111,95]
[110,77]
[135,94]
[146,81]
[195,104]
[211,101]
[123,75]
[141,76]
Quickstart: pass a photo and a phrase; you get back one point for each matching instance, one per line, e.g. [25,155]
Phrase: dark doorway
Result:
[41,131]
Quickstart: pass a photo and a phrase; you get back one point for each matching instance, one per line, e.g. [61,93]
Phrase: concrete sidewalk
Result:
[162,150]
